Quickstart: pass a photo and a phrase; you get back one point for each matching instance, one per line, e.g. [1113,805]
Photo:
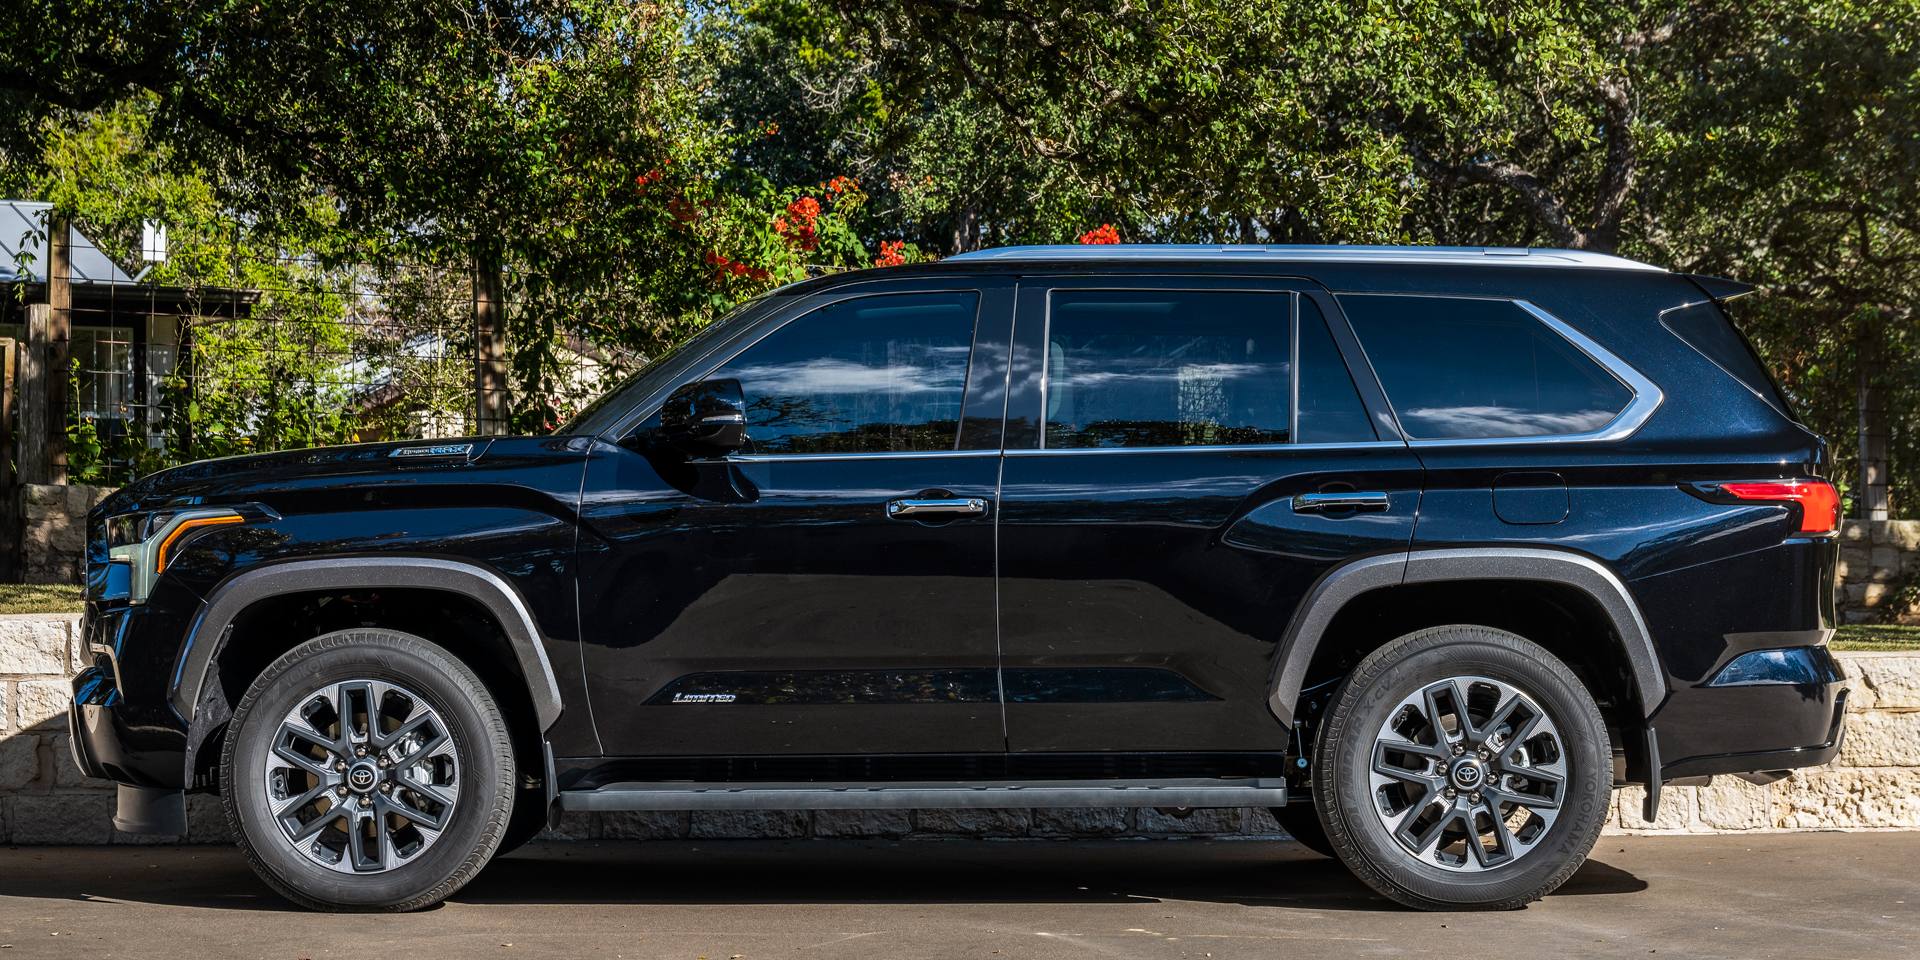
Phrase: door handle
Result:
[1331,502]
[956,507]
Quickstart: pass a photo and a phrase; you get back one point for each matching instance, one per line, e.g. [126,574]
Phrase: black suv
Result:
[1428,549]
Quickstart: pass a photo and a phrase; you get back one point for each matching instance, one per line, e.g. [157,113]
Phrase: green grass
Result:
[1877,637]
[38,598]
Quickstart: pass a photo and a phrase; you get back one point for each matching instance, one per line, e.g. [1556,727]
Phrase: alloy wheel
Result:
[1468,774]
[363,776]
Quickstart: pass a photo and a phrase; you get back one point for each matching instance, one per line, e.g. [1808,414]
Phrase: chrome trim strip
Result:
[1217,448]
[1277,253]
[899,455]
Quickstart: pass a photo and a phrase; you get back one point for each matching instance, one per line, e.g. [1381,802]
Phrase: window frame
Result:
[1647,395]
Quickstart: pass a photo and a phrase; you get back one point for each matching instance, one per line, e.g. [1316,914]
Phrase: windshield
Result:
[608,409]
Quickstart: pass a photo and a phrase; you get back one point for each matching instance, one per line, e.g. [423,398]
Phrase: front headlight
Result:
[147,541]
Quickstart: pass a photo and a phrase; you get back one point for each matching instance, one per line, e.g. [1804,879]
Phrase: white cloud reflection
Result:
[1436,423]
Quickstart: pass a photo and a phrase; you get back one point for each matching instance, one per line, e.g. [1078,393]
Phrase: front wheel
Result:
[368,770]
[1463,768]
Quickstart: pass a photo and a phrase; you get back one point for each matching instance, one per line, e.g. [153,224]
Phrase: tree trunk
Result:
[1872,496]
[491,398]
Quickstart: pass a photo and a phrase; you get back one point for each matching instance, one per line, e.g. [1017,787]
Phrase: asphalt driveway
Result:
[1784,895]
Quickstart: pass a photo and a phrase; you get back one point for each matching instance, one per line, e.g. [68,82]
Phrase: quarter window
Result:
[872,374]
[1167,368]
[1460,368]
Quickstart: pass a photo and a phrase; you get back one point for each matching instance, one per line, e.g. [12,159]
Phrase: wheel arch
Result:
[1355,585]
[200,697]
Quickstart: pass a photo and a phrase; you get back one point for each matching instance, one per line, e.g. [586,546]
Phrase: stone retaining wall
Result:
[52,530]
[1873,785]
[1875,559]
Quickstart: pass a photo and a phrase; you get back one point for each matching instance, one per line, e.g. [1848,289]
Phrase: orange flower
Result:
[891,254]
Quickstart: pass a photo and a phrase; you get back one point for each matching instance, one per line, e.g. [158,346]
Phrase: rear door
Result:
[1185,456]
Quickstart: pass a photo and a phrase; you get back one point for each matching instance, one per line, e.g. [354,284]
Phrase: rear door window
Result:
[1168,368]
[1466,368]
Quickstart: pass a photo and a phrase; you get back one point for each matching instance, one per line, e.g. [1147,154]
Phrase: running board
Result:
[1248,792]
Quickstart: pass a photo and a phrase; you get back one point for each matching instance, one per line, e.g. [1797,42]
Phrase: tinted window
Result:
[1462,368]
[1166,368]
[1330,407]
[874,374]
[1706,330]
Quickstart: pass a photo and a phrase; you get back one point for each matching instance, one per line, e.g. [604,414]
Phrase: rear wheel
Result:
[368,770]
[1462,768]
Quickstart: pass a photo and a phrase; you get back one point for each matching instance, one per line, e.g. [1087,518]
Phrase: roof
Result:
[1272,253]
[23,248]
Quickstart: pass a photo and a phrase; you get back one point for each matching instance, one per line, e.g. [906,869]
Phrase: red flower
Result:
[891,254]
[1106,234]
[759,273]
[804,211]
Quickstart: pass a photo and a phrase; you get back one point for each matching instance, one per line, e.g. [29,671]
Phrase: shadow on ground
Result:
[1253,873]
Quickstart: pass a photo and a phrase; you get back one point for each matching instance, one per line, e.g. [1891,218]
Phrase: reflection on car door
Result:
[841,600]
[1167,500]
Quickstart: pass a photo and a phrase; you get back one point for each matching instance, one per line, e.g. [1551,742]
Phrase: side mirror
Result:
[705,419]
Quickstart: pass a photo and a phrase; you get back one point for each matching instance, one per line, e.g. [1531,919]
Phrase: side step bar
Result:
[1248,792]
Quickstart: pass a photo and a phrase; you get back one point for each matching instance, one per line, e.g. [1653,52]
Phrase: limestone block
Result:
[1861,616]
[1260,823]
[69,537]
[1830,798]
[1873,592]
[1882,681]
[574,825]
[1882,739]
[983,823]
[1676,808]
[19,761]
[1856,594]
[43,494]
[1734,804]
[1901,534]
[1853,531]
[1079,821]
[1857,559]
[1214,821]
[66,773]
[207,820]
[640,824]
[33,646]
[63,818]
[861,823]
[1886,565]
[747,824]
[42,703]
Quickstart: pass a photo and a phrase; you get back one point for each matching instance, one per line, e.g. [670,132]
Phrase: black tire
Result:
[1356,813]
[1302,823]
[475,755]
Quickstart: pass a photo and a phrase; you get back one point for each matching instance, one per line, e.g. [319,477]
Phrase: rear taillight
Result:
[1819,501]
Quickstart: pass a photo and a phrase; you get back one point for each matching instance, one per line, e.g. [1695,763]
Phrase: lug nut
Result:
[340,766]
[360,751]
[1474,797]
[1482,753]
[1449,793]
[340,790]
[384,762]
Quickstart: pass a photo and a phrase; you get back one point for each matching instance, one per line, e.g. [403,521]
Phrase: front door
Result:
[830,589]
[1186,457]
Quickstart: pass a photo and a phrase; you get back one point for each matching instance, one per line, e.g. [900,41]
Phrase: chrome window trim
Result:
[1647,396]
[1281,253]
[1214,448]
[873,455]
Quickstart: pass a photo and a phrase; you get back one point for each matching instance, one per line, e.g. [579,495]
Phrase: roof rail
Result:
[1342,253]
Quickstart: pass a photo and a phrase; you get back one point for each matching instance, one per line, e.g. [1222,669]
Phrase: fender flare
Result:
[1338,586]
[210,630]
